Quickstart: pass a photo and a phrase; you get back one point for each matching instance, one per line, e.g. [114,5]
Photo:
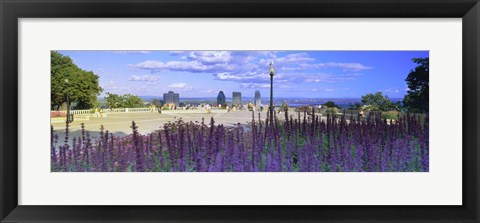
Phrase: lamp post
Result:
[272,72]
[68,103]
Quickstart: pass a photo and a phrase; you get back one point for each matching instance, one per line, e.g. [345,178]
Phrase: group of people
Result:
[98,112]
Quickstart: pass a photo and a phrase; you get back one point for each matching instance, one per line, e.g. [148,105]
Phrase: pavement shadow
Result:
[78,134]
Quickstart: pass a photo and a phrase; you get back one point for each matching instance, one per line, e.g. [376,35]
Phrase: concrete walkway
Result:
[147,122]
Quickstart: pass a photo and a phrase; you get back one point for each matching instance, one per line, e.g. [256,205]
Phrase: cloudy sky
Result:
[298,74]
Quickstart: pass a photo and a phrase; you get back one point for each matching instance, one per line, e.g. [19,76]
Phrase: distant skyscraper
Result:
[221,98]
[258,102]
[237,98]
[170,97]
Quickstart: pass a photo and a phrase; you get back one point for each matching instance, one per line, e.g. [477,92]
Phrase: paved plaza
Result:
[147,122]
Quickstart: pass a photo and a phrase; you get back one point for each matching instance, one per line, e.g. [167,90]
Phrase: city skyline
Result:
[202,74]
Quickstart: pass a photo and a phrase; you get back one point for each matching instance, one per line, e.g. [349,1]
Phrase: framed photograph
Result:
[223,111]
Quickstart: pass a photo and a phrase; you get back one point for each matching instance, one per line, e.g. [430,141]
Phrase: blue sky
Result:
[298,74]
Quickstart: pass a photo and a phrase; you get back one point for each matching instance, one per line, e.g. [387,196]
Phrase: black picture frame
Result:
[12,10]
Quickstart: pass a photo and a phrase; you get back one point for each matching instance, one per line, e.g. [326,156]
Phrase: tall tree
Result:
[83,86]
[113,100]
[379,102]
[132,101]
[123,101]
[417,80]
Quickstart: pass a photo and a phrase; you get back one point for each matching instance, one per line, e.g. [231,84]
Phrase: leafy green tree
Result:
[379,102]
[417,80]
[113,100]
[132,101]
[123,101]
[355,106]
[83,86]
[331,104]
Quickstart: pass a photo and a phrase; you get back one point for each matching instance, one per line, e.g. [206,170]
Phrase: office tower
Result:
[258,101]
[237,98]
[171,98]
[221,98]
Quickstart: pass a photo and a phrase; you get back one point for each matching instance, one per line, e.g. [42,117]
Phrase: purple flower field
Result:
[299,143]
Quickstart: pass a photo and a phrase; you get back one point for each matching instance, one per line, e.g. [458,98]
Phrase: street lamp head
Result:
[66,80]
[272,70]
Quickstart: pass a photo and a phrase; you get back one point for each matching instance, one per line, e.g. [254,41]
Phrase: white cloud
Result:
[254,85]
[208,91]
[177,52]
[293,58]
[252,66]
[328,78]
[227,76]
[211,56]
[180,86]
[189,66]
[254,77]
[249,76]
[330,89]
[343,66]
[113,87]
[392,90]
[346,66]
[148,78]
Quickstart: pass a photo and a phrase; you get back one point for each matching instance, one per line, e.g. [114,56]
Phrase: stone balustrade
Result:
[115,110]
[124,110]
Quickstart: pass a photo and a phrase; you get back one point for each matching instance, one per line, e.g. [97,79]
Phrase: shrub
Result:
[390,115]
[332,110]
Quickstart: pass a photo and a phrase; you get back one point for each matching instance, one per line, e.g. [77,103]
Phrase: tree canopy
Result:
[417,80]
[83,86]
[331,104]
[123,101]
[355,106]
[379,102]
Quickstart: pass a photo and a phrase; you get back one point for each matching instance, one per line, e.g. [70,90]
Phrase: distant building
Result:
[237,98]
[221,98]
[171,98]
[258,101]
